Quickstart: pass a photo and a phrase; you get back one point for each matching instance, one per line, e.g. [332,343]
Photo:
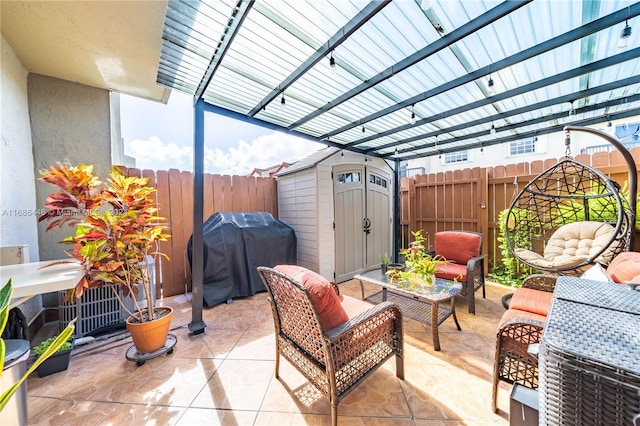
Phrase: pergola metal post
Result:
[397,241]
[197,326]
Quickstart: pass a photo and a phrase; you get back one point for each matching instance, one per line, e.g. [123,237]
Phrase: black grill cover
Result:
[235,244]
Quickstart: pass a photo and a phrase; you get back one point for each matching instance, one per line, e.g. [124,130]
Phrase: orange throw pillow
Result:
[624,267]
[323,295]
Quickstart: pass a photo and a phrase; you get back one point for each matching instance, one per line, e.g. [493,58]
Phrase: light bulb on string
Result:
[625,35]
[491,87]
[412,120]
[283,103]
[492,131]
[332,64]
[572,113]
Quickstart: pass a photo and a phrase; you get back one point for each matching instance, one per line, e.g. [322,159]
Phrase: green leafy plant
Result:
[385,259]
[55,345]
[116,230]
[42,347]
[418,263]
[512,271]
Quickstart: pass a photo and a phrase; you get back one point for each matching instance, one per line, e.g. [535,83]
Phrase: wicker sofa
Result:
[335,341]
[523,322]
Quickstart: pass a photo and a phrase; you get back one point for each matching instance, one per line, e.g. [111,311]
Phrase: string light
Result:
[332,64]
[493,129]
[625,35]
[491,87]
[572,113]
[413,116]
[283,103]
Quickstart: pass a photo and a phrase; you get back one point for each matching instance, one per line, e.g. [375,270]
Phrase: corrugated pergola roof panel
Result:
[395,57]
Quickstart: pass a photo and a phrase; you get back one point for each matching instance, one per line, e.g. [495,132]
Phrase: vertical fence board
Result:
[186,179]
[164,209]
[241,193]
[177,284]
[208,209]
[227,194]
[217,194]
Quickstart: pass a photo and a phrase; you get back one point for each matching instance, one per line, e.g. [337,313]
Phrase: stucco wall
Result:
[69,123]
[18,223]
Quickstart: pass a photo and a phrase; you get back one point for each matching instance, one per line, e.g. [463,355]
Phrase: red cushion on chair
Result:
[354,307]
[511,314]
[452,271]
[457,246]
[323,295]
[530,300]
[624,267]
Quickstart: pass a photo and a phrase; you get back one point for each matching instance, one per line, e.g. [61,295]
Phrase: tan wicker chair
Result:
[519,329]
[335,361]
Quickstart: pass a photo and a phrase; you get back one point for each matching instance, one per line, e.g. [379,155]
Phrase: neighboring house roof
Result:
[269,171]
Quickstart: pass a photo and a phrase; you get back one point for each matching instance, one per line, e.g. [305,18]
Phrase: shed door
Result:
[362,219]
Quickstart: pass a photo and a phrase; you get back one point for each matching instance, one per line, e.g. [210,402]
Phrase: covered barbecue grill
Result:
[235,244]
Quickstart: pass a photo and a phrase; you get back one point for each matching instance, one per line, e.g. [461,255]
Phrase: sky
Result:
[160,137]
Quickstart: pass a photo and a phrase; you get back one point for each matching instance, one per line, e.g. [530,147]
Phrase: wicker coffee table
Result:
[424,305]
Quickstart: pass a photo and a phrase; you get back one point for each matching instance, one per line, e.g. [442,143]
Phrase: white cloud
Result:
[154,154]
[264,151]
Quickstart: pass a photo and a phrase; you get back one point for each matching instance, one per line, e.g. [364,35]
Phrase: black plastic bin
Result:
[235,244]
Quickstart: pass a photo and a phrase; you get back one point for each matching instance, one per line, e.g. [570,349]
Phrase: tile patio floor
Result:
[225,376]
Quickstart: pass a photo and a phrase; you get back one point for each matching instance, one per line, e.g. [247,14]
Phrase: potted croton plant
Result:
[117,229]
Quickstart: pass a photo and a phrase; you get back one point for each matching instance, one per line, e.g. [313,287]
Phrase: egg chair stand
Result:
[571,215]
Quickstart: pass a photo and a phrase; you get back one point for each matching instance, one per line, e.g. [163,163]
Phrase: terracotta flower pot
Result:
[150,336]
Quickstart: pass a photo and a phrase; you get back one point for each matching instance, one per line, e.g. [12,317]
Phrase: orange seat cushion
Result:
[511,314]
[530,300]
[624,267]
[323,296]
[452,271]
[354,307]
[457,246]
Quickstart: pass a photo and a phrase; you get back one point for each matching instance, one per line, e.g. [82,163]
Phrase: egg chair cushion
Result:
[572,244]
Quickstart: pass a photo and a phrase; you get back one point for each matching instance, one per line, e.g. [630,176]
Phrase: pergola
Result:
[400,79]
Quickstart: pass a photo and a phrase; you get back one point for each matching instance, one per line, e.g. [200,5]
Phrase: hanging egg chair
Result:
[572,216]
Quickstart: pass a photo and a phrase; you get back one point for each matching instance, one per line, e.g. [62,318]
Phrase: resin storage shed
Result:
[340,205]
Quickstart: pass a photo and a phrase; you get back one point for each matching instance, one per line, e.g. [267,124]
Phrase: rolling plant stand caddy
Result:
[140,358]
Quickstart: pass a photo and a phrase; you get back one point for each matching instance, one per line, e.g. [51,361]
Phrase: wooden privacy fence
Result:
[472,199]
[175,203]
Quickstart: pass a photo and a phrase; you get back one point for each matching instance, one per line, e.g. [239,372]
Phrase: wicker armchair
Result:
[518,329]
[335,361]
[465,261]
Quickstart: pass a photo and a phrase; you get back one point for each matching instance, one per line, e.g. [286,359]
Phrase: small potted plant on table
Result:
[420,267]
[116,231]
